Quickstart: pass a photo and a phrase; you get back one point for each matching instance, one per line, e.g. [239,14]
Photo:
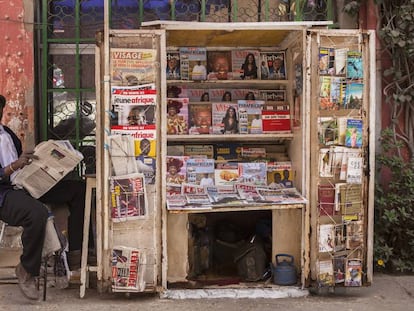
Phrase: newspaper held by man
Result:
[53,160]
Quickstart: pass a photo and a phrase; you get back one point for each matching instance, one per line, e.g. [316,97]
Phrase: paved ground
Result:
[387,293]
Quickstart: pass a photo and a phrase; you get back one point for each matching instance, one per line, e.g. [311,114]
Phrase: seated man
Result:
[19,208]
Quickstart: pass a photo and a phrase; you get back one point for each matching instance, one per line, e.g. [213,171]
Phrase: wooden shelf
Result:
[265,84]
[239,208]
[274,138]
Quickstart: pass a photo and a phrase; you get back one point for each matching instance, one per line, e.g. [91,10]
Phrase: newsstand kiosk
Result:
[159,231]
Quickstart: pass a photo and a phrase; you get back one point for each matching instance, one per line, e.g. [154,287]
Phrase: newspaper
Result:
[128,197]
[55,159]
[128,269]
[122,150]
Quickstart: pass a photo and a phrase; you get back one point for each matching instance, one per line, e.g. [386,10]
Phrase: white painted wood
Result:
[365,42]
[90,185]
[374,116]
[177,250]
[182,25]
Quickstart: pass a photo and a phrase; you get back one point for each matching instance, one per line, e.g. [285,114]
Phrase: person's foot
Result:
[27,283]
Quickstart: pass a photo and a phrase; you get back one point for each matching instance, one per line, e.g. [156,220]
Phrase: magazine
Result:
[227,151]
[226,173]
[219,95]
[128,267]
[247,94]
[145,148]
[337,159]
[326,238]
[338,89]
[193,63]
[326,61]
[196,94]
[354,65]
[280,174]
[353,95]
[122,153]
[245,64]
[349,153]
[273,65]
[200,118]
[340,238]
[225,118]
[176,169]
[326,200]
[339,269]
[292,196]
[197,198]
[326,273]
[354,170]
[132,66]
[353,135]
[342,125]
[54,160]
[173,65]
[177,116]
[325,102]
[273,95]
[350,198]
[325,162]
[222,189]
[225,198]
[133,107]
[270,195]
[327,131]
[173,189]
[176,201]
[249,192]
[353,275]
[128,197]
[175,150]
[354,234]
[250,116]
[253,172]
[253,153]
[276,118]
[187,188]
[340,61]
[206,151]
[219,65]
[200,171]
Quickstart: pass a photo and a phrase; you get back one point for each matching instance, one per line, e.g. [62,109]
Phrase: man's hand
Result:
[25,159]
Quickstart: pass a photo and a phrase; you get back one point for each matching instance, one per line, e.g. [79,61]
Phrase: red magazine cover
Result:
[326,198]
[276,119]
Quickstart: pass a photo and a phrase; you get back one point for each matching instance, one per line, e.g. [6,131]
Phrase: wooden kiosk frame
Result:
[164,234]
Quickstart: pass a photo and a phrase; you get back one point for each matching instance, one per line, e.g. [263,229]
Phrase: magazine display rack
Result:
[342,143]
[245,158]
[253,166]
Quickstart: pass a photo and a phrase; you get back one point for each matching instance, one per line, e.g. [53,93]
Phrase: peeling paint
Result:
[17,68]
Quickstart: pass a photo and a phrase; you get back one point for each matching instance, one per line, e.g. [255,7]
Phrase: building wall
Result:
[17,68]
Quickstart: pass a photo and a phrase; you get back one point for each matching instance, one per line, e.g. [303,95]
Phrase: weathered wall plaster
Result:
[17,68]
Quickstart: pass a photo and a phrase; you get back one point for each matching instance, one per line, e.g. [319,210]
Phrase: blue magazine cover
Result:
[353,136]
[353,95]
[354,65]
